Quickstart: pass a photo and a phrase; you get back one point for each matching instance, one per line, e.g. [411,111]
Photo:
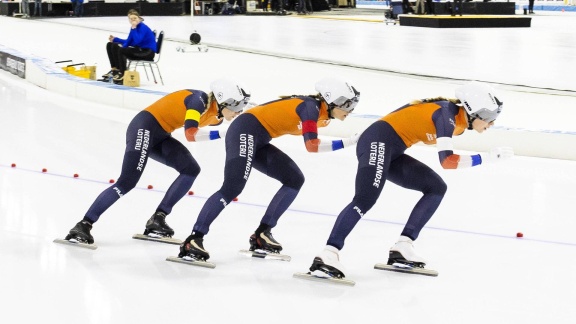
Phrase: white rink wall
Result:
[534,143]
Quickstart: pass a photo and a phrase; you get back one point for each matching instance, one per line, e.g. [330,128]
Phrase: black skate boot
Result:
[157,227]
[326,267]
[193,249]
[396,258]
[325,270]
[327,264]
[80,233]
[403,258]
[264,242]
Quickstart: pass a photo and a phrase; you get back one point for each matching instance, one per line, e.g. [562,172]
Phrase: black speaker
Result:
[195,38]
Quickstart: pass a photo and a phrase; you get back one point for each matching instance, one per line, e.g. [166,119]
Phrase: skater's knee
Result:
[295,181]
[439,187]
[230,192]
[191,170]
[184,163]
[126,185]
[442,188]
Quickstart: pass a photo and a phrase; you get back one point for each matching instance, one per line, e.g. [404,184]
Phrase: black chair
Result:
[152,63]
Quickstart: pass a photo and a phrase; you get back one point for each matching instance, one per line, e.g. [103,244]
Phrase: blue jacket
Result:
[141,36]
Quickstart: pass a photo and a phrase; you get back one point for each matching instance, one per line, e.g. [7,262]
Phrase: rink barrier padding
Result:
[536,143]
[13,61]
[465,21]
[470,8]
[442,7]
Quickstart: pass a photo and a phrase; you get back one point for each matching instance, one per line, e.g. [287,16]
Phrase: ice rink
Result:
[487,274]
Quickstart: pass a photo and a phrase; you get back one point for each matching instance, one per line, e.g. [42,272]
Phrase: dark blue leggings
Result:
[248,146]
[146,138]
[380,153]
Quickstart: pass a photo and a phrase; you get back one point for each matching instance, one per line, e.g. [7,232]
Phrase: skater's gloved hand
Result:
[497,154]
[351,140]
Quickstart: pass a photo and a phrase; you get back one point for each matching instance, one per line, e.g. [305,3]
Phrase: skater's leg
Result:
[413,174]
[376,150]
[277,165]
[135,159]
[139,139]
[243,139]
[174,154]
[410,173]
[248,135]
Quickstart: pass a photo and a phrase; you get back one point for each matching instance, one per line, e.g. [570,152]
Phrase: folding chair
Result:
[152,63]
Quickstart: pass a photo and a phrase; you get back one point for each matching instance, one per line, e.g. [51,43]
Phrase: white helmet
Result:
[480,101]
[338,93]
[230,94]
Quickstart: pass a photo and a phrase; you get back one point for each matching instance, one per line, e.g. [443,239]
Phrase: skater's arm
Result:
[445,126]
[195,106]
[308,111]
[450,160]
[201,135]
[318,145]
[443,120]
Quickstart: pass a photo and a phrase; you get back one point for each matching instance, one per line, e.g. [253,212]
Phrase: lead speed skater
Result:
[381,154]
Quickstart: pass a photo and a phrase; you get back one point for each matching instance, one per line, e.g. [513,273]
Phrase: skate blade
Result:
[309,276]
[167,240]
[192,49]
[77,244]
[198,263]
[264,255]
[420,271]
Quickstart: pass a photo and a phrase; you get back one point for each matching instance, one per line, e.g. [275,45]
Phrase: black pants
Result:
[145,139]
[118,55]
[277,5]
[457,7]
[430,7]
[406,7]
[248,147]
[381,158]
[304,6]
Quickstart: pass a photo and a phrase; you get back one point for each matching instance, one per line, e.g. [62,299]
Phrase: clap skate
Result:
[264,246]
[403,258]
[326,267]
[157,230]
[192,252]
[79,236]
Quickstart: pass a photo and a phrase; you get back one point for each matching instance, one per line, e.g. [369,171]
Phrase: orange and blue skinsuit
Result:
[248,146]
[381,156]
[149,136]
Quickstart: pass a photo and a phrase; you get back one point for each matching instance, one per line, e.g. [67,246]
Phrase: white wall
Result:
[535,143]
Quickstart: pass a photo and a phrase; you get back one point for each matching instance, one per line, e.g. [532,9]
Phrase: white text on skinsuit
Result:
[377,151]
[247,151]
